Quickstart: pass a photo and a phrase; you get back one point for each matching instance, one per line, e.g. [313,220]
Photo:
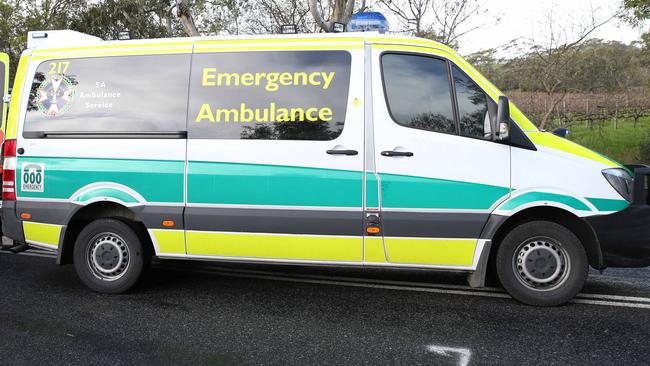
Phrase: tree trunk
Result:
[185,16]
[318,17]
[549,111]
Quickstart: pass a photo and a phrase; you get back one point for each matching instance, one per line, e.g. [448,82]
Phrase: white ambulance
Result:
[352,149]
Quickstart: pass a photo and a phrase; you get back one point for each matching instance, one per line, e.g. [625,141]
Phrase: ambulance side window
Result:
[270,95]
[418,93]
[473,114]
[129,94]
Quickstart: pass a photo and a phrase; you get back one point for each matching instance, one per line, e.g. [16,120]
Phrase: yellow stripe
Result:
[51,56]
[42,233]
[332,40]
[552,141]
[14,107]
[4,58]
[373,250]
[114,46]
[170,241]
[412,41]
[447,252]
[330,248]
[281,47]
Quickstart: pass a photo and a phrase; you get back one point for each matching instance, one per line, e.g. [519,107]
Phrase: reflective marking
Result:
[275,207]
[464,354]
[611,303]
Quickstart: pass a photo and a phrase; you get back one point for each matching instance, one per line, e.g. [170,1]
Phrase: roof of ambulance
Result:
[368,37]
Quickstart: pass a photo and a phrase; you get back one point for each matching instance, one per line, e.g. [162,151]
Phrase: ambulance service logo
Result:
[55,95]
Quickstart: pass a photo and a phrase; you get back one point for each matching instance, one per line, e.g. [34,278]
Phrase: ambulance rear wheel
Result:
[542,263]
[108,256]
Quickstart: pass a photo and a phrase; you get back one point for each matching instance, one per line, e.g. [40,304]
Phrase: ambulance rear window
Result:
[109,94]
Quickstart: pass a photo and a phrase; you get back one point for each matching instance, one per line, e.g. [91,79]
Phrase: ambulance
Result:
[352,149]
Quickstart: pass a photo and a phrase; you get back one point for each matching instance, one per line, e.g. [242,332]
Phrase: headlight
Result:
[621,180]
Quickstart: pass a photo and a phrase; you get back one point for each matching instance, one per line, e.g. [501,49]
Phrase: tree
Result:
[142,18]
[339,11]
[551,59]
[184,13]
[636,11]
[445,21]
[267,16]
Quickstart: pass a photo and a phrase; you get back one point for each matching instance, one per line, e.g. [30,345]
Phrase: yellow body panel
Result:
[373,249]
[552,141]
[444,252]
[4,58]
[169,241]
[16,93]
[274,246]
[42,233]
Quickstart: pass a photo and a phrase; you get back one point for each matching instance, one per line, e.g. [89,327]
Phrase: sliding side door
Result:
[275,152]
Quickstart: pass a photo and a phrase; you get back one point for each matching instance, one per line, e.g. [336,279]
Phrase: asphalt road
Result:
[205,313]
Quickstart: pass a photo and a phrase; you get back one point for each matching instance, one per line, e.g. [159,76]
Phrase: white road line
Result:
[464,354]
[340,283]
[614,297]
[611,303]
[418,284]
[354,279]
[582,298]
[400,288]
[39,253]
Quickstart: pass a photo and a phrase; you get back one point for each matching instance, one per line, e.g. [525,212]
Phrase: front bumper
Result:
[624,236]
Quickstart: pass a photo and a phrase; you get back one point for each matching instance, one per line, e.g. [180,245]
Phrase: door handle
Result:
[342,152]
[396,153]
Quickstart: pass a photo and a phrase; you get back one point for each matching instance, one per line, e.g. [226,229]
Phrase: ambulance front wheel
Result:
[108,256]
[542,263]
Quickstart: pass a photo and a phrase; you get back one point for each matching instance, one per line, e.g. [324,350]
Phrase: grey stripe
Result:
[287,221]
[433,225]
[52,212]
[60,213]
[274,221]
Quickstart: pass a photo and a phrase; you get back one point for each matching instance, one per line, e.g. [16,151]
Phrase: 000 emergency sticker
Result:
[32,177]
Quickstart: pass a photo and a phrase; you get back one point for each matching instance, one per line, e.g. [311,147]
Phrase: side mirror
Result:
[501,128]
[562,132]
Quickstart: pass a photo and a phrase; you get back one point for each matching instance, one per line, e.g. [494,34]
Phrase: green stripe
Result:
[543,196]
[401,191]
[254,184]
[155,180]
[603,204]
[372,190]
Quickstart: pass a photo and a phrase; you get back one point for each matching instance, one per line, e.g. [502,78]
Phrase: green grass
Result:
[620,144]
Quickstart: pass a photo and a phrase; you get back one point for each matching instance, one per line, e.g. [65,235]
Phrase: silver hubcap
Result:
[108,256]
[541,264]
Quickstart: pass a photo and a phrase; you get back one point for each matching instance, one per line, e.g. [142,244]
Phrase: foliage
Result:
[623,144]
[637,10]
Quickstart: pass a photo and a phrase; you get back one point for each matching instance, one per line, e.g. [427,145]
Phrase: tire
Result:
[108,256]
[542,263]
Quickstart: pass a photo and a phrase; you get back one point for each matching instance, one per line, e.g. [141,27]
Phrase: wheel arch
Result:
[498,226]
[99,210]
